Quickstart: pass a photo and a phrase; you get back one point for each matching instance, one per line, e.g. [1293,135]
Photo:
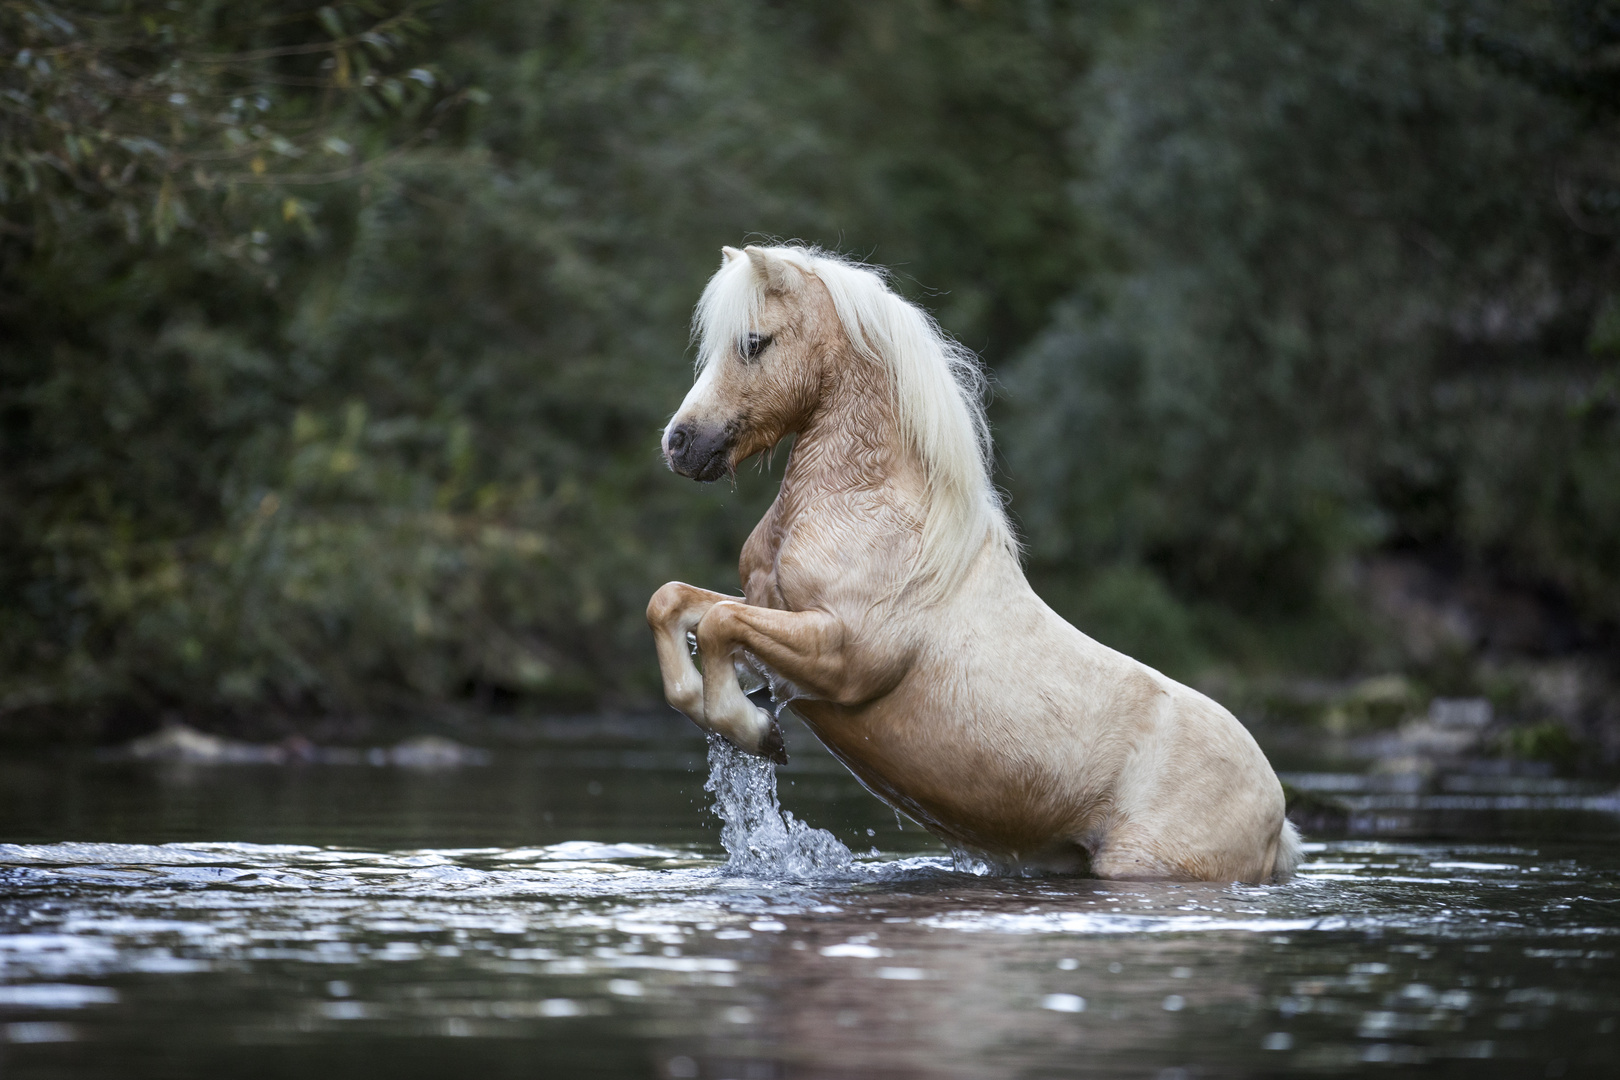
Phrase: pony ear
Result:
[732,254]
[774,271]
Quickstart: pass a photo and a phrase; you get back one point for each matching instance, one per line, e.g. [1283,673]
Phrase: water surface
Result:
[566,912]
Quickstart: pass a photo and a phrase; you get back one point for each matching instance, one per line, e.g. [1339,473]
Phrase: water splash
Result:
[761,838]
[969,862]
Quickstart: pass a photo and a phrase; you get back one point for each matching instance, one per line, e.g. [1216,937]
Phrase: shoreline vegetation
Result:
[334,342]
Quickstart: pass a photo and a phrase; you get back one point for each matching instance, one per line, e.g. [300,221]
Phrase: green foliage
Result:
[1548,741]
[334,340]
[1342,307]
[383,435]
[150,119]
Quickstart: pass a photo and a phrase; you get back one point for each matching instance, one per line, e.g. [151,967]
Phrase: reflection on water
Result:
[618,945]
[1467,804]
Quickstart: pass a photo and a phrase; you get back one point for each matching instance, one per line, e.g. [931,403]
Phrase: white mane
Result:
[938,390]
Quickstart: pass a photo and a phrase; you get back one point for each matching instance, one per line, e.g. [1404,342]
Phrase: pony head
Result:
[777,326]
[758,365]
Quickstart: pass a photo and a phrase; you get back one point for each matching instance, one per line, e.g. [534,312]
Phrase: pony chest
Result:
[790,589]
[828,553]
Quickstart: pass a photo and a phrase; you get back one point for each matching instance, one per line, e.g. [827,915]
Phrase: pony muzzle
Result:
[699,452]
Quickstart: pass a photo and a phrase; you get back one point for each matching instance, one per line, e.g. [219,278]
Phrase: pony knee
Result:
[712,637]
[666,604]
[671,612]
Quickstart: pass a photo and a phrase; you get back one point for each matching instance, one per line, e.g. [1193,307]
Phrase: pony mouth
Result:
[715,468]
[699,455]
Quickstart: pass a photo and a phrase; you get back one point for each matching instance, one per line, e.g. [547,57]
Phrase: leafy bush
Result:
[1346,306]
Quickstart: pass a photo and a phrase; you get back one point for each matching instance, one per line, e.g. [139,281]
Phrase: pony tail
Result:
[1290,853]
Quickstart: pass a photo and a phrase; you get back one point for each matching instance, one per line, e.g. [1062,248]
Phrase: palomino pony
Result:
[883,596]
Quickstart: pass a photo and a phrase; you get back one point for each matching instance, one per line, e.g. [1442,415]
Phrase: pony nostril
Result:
[677,440]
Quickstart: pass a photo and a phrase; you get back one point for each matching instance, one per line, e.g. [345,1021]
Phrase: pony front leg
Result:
[676,610]
[673,612]
[811,649]
[727,710]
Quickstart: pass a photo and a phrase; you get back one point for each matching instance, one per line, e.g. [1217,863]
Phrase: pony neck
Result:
[851,440]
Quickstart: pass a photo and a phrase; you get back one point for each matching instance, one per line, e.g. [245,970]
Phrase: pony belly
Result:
[970,801]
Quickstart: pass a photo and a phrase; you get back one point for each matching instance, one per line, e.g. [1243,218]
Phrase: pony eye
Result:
[754,344]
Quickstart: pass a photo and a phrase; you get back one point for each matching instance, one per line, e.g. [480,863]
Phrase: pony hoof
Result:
[772,747]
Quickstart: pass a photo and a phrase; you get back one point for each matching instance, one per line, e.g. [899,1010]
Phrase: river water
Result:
[568,910]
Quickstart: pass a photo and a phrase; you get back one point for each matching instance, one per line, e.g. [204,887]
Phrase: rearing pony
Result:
[883,595]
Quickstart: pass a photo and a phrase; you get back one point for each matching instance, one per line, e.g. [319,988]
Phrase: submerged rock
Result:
[433,752]
[180,743]
[177,742]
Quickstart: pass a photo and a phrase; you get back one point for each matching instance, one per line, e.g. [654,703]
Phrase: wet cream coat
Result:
[979,712]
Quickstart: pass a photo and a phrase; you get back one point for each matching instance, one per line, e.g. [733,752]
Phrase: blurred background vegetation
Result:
[335,339]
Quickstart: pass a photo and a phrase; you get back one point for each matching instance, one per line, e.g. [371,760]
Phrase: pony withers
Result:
[883,597]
